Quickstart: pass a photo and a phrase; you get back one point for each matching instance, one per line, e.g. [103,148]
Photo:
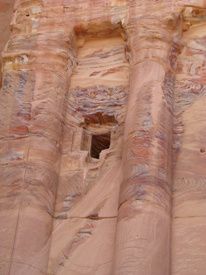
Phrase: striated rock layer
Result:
[6,10]
[102,148]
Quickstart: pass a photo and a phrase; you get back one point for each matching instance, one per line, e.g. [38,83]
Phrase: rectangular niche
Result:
[101,56]
[95,143]
[99,143]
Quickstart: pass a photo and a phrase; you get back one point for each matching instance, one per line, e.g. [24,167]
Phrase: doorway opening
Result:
[99,143]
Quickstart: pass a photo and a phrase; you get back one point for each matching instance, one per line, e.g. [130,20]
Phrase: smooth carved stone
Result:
[102,137]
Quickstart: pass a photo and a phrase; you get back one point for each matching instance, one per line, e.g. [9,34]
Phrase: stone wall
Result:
[102,148]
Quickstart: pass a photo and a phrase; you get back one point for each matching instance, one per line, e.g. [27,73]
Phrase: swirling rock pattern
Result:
[102,137]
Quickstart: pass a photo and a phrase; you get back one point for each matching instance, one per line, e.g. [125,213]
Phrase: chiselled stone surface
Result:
[102,137]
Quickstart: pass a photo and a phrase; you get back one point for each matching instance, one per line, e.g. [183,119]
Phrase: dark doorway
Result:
[99,143]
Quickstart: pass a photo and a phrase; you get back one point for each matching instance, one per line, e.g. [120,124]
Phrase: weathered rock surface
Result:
[102,137]
[6,11]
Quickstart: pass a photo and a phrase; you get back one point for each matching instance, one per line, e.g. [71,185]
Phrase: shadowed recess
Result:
[99,143]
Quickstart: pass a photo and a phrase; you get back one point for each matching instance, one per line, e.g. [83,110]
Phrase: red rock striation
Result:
[102,150]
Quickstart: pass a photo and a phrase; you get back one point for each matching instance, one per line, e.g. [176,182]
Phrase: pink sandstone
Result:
[102,137]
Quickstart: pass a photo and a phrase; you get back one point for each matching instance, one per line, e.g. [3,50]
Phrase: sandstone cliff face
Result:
[6,10]
[102,149]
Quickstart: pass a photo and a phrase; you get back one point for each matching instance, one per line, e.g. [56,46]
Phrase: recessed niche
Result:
[99,143]
[101,56]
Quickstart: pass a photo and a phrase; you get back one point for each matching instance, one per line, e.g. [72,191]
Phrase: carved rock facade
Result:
[102,138]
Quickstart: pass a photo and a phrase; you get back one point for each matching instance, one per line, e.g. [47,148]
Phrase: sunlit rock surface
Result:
[102,137]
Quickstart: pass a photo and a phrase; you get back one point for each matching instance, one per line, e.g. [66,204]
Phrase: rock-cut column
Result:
[143,228]
[189,187]
[35,79]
